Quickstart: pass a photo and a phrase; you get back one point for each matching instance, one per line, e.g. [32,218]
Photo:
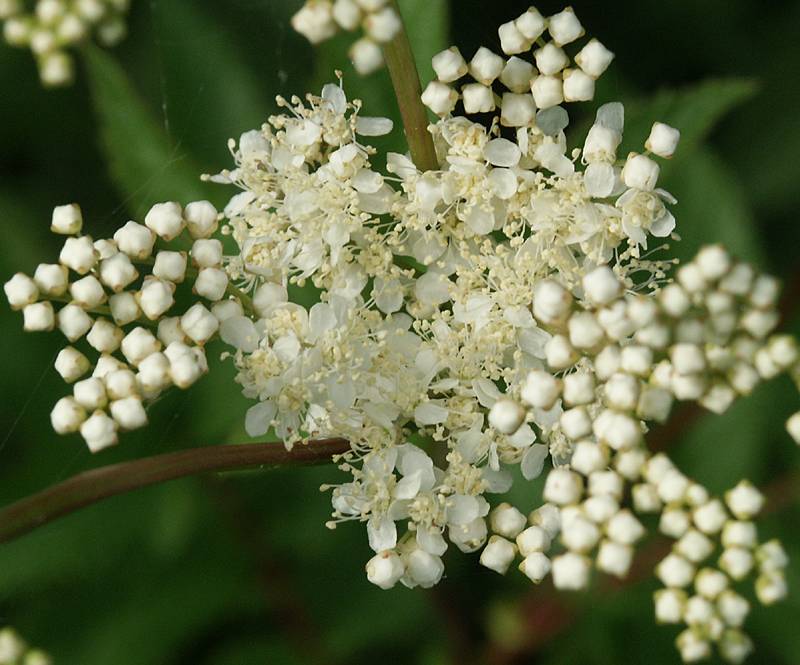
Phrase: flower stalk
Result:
[408,90]
[92,486]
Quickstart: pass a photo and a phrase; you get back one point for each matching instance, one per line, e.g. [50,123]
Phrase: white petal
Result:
[599,179]
[335,95]
[462,509]
[664,225]
[430,413]
[366,126]
[382,533]
[486,392]
[533,461]
[240,332]
[503,182]
[497,482]
[258,418]
[321,319]
[502,152]
[408,487]
[431,540]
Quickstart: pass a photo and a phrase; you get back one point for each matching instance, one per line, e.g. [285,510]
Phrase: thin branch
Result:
[95,485]
[405,79]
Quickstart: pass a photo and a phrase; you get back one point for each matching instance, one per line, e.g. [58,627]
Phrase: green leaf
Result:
[211,92]
[144,166]
[712,207]
[693,110]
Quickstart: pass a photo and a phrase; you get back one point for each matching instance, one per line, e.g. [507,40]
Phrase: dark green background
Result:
[240,570]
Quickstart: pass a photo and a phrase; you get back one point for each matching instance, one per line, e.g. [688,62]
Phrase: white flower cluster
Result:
[531,79]
[54,26]
[485,315]
[319,20]
[14,650]
[117,299]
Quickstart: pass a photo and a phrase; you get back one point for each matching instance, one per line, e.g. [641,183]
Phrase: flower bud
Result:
[117,272]
[563,487]
[67,416]
[154,373]
[594,58]
[737,562]
[120,383]
[541,389]
[170,266]
[87,292]
[38,317]
[439,98]
[506,416]
[531,24]
[155,297]
[73,322]
[78,254]
[383,25]
[67,219]
[614,558]
[423,569]
[51,278]
[675,571]
[744,500]
[478,98]
[535,567]
[507,521]
[135,240]
[207,253]
[99,432]
[165,220]
[663,140]
[518,110]
[105,336]
[71,364]
[129,413]
[90,394]
[385,569]
[640,172]
[498,554]
[199,324]
[347,14]
[547,91]
[315,22]
[512,40]
[366,56]
[201,219]
[124,308]
[565,27]
[211,283]
[571,571]
[138,344]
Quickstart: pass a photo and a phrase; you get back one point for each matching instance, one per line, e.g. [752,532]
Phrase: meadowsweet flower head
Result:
[499,310]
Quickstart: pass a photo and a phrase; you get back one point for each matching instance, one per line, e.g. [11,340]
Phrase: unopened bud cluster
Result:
[614,363]
[319,20]
[114,300]
[15,651]
[531,81]
[55,26]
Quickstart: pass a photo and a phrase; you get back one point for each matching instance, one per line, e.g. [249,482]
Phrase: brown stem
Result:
[405,79]
[95,485]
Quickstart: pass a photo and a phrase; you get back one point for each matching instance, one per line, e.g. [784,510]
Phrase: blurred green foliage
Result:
[240,569]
